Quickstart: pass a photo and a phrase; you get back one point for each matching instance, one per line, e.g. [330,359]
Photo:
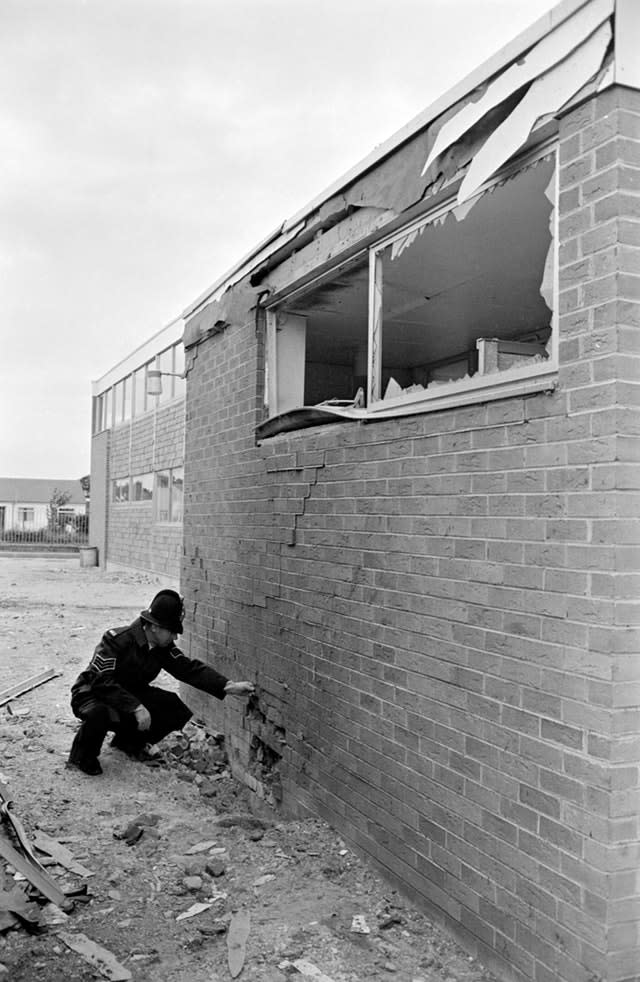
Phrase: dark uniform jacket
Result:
[123,666]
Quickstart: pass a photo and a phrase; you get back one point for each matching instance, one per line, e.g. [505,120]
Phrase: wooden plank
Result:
[31,683]
[61,855]
[99,958]
[34,874]
[237,941]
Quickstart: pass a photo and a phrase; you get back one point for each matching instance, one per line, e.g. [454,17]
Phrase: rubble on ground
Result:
[197,847]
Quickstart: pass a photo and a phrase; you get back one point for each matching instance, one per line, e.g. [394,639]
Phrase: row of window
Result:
[26,515]
[462,299]
[163,489]
[129,397]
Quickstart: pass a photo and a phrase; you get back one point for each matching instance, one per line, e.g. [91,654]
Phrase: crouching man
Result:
[115,693]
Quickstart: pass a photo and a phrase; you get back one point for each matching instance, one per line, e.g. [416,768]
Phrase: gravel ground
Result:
[313,905]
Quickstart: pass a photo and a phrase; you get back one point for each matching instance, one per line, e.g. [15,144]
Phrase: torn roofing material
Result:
[547,53]
[509,54]
[545,96]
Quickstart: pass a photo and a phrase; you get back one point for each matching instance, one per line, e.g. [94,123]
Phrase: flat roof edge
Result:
[504,56]
[117,371]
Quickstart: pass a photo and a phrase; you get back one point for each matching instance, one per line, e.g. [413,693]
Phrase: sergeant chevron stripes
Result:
[103,663]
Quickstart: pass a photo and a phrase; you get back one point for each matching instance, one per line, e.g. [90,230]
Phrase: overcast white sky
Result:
[146,145]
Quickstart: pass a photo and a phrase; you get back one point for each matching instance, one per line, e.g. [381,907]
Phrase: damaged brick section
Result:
[256,754]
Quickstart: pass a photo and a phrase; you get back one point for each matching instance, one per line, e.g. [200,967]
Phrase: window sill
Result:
[487,388]
[499,385]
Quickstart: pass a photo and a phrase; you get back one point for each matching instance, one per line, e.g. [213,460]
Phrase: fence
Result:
[63,532]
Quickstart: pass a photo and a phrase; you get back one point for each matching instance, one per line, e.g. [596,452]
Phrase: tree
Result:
[57,501]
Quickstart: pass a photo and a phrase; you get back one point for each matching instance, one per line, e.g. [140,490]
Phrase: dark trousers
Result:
[167,711]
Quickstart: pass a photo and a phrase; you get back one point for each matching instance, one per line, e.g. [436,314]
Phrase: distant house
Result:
[25,503]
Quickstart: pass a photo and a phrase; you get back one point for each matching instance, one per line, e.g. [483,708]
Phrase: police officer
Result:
[115,692]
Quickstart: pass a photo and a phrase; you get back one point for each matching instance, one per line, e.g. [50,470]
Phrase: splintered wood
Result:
[99,958]
[237,941]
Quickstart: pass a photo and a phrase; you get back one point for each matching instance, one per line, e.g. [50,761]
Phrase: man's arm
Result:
[201,676]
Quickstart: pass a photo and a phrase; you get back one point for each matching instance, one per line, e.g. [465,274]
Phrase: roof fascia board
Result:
[627,43]
[522,42]
[253,258]
[544,25]
[139,356]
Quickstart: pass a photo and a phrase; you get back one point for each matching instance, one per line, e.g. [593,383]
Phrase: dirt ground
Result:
[200,841]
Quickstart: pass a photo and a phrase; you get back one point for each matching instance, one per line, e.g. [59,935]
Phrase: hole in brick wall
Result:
[263,753]
[264,766]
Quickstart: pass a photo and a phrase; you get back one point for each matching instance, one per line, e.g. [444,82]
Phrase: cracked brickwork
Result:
[440,611]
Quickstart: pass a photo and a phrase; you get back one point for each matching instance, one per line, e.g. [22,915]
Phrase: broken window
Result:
[318,341]
[467,293]
[461,300]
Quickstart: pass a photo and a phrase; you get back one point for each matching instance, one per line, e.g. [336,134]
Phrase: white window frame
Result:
[283,352]
[157,497]
[535,377]
[140,478]
[118,484]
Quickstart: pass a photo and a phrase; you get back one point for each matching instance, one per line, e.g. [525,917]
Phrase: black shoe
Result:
[88,765]
[143,753]
[126,746]
[78,756]
[150,756]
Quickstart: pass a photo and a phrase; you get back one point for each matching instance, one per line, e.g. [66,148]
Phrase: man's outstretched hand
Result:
[143,718]
[239,688]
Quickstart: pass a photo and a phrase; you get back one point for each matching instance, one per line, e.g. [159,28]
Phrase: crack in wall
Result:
[304,499]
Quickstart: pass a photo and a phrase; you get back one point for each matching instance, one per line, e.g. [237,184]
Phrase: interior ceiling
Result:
[456,281]
[337,316]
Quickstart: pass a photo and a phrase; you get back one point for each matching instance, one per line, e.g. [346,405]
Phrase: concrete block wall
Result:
[440,612]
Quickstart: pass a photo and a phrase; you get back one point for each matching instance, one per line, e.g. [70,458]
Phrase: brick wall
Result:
[440,611]
[600,370]
[145,445]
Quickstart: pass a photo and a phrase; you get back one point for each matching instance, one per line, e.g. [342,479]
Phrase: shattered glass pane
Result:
[483,272]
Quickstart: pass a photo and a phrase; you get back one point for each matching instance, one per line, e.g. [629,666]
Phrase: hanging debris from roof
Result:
[554,71]
[545,96]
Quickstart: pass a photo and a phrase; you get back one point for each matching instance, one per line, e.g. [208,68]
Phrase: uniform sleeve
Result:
[97,682]
[194,673]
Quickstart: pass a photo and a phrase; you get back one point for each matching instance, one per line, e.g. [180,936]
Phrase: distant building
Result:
[137,458]
[26,503]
